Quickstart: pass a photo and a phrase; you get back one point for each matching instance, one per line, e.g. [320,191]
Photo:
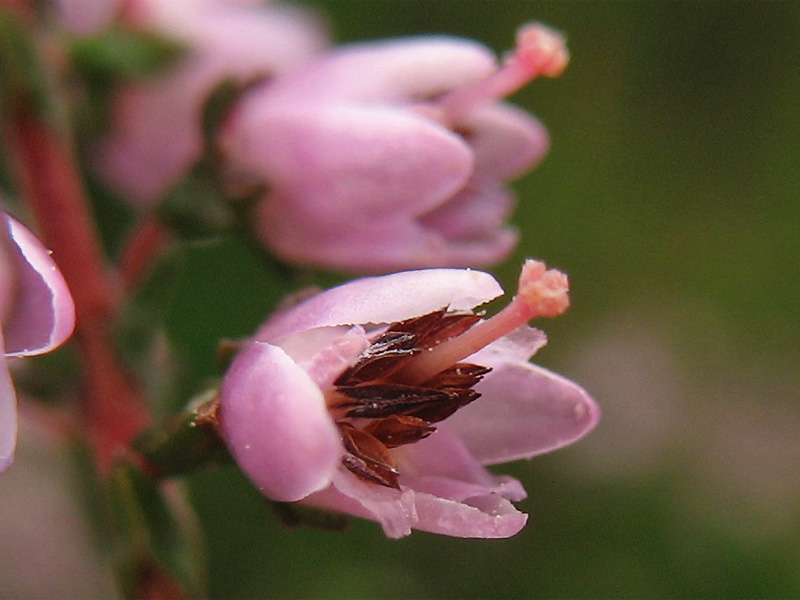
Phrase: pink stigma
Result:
[540,51]
[542,292]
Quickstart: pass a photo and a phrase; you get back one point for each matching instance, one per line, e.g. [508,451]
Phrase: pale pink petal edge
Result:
[275,422]
[34,263]
[385,299]
[8,413]
[525,410]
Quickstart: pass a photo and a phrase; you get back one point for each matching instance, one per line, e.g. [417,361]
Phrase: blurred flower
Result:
[339,401]
[156,129]
[394,154]
[48,548]
[87,16]
[36,314]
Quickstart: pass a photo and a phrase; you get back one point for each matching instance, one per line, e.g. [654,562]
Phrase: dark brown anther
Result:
[399,430]
[436,327]
[384,355]
[458,377]
[434,413]
[376,410]
[367,458]
[385,400]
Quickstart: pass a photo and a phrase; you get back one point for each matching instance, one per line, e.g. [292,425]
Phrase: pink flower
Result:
[36,314]
[393,154]
[362,400]
[87,16]
[156,122]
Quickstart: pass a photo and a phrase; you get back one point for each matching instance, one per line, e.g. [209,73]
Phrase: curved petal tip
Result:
[43,314]
[275,422]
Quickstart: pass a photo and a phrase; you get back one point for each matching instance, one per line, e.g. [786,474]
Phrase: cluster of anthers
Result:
[411,376]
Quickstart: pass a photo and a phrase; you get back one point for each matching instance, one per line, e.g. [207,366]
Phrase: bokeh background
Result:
[671,196]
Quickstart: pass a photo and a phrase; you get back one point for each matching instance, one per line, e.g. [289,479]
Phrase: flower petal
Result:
[385,299]
[275,422]
[444,456]
[393,509]
[524,410]
[478,211]
[377,247]
[42,315]
[340,164]
[339,353]
[489,516]
[156,134]
[8,413]
[507,141]
[399,71]
[444,490]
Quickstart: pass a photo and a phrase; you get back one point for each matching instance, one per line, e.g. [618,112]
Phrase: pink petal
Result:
[8,413]
[444,456]
[478,211]
[507,141]
[276,424]
[377,247]
[487,517]
[399,71]
[524,410]
[385,299]
[43,314]
[393,509]
[240,36]
[342,164]
[336,355]
[87,16]
[444,490]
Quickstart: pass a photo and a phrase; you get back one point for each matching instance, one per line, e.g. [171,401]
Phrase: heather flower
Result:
[385,397]
[156,122]
[36,314]
[393,154]
[87,16]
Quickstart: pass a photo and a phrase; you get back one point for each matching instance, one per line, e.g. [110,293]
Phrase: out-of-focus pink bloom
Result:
[341,400]
[87,16]
[156,133]
[36,314]
[394,154]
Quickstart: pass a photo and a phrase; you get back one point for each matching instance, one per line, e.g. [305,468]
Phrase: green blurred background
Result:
[671,196]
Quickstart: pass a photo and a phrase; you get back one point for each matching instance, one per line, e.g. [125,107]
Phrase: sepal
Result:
[122,53]
[187,442]
[156,544]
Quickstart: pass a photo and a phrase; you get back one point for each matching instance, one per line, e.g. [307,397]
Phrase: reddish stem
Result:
[145,244]
[115,411]
[21,8]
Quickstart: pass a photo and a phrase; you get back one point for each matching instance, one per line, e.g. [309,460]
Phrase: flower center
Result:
[412,375]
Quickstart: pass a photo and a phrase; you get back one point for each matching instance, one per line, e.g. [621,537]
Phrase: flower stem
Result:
[115,411]
[145,244]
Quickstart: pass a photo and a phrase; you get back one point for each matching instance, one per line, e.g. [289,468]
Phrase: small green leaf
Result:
[154,548]
[239,188]
[194,208]
[122,53]
[23,81]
